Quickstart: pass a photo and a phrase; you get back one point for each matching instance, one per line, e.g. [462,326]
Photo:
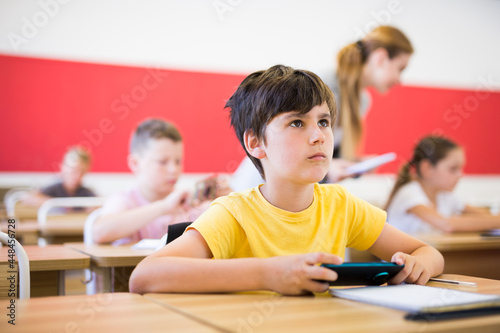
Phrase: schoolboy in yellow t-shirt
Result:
[273,237]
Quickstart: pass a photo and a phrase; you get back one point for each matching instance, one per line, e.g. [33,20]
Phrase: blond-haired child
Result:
[146,210]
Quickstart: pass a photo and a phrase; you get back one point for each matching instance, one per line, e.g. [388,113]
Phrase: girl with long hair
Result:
[422,199]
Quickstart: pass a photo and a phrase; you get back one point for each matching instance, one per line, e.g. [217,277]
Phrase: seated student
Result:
[75,164]
[272,237]
[146,211]
[424,201]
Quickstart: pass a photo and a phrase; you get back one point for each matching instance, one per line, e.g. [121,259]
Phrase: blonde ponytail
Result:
[350,62]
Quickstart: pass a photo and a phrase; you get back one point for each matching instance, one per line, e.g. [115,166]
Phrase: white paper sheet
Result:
[416,298]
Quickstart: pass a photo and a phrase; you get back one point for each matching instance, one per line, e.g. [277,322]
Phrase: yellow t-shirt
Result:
[245,224]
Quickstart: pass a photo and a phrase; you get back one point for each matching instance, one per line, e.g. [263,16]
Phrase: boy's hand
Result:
[294,274]
[175,201]
[413,272]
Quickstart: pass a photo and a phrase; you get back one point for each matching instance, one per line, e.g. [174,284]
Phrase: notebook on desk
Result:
[148,244]
[423,302]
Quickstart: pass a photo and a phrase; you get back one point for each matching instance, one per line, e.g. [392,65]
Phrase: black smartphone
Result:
[363,273]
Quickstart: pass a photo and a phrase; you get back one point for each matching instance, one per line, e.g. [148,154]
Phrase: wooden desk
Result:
[26,232]
[22,211]
[113,263]
[58,229]
[269,312]
[70,224]
[467,253]
[48,265]
[103,313]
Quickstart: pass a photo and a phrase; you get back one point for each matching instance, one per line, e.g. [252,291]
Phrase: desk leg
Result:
[61,283]
[103,276]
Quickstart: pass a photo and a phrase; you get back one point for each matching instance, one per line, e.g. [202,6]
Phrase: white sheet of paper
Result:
[414,298]
[370,164]
[147,244]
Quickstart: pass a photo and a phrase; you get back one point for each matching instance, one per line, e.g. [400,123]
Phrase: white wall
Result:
[104,184]
[456,41]
[475,190]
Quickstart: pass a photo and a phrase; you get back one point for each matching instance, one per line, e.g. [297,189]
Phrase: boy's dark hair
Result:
[152,129]
[265,94]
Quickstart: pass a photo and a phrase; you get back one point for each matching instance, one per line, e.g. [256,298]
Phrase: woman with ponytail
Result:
[375,61]
[422,199]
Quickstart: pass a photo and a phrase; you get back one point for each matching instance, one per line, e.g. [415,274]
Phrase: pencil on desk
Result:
[461,283]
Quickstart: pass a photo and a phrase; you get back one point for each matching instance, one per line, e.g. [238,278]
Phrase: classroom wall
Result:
[88,71]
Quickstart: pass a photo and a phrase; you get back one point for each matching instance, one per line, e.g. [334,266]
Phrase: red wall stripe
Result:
[48,105]
[469,117]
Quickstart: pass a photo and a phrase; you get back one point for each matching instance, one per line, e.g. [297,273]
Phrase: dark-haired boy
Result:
[272,237]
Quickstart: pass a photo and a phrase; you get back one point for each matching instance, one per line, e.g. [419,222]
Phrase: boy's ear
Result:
[133,162]
[253,145]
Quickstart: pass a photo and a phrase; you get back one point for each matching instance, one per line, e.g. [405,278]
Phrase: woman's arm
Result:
[421,261]
[465,222]
[185,266]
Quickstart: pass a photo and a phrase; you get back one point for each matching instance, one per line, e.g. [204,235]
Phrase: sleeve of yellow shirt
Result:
[367,222]
[221,231]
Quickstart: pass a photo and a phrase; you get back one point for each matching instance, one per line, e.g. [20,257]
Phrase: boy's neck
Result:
[292,198]
[430,191]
